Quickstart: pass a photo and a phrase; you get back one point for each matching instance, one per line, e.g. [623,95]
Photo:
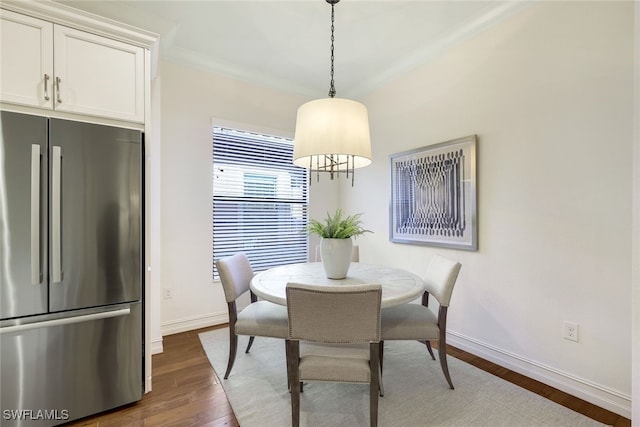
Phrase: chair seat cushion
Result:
[408,322]
[335,362]
[264,319]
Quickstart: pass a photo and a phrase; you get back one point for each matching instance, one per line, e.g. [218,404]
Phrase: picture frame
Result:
[433,195]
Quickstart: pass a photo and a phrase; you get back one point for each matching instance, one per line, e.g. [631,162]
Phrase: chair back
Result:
[334,314]
[441,277]
[235,274]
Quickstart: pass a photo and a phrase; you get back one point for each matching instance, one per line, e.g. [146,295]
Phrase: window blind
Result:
[260,199]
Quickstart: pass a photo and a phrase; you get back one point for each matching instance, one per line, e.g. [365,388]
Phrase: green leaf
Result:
[337,227]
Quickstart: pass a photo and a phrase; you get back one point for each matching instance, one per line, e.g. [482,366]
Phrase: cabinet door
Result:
[26,68]
[98,76]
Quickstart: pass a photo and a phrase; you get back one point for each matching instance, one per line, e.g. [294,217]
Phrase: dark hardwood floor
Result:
[187,392]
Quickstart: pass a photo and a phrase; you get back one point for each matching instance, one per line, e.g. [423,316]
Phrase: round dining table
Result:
[398,286]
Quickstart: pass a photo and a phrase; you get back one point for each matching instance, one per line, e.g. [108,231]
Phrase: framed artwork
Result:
[433,195]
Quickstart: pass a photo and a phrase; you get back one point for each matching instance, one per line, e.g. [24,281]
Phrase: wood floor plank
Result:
[187,392]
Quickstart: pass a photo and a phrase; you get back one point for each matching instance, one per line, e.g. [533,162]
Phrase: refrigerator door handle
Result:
[36,272]
[56,210]
[66,321]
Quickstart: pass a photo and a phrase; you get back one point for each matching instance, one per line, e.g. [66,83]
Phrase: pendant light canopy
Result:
[332,134]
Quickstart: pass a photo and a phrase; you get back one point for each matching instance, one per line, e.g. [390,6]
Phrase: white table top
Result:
[398,286]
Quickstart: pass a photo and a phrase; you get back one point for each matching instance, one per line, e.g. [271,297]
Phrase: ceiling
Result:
[285,45]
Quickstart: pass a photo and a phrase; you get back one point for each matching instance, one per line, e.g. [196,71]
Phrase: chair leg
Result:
[442,353]
[373,404]
[288,361]
[233,349]
[375,385]
[380,359]
[428,344]
[250,344]
[294,355]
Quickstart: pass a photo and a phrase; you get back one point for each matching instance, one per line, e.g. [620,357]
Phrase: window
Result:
[259,199]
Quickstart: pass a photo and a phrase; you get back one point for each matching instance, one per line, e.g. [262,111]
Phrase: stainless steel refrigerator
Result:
[70,269]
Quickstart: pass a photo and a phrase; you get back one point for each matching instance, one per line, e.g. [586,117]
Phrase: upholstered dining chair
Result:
[334,335]
[259,318]
[355,254]
[417,321]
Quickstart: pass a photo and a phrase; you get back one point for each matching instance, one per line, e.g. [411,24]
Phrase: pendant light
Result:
[332,134]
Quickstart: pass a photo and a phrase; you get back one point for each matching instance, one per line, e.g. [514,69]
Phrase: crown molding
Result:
[81,20]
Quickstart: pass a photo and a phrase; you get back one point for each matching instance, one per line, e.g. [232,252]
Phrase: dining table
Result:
[398,286]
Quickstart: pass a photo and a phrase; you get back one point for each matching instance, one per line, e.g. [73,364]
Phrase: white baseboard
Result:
[195,322]
[599,395]
[156,345]
[148,384]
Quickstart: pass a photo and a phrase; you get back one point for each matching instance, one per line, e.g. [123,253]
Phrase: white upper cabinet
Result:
[52,66]
[98,76]
[26,66]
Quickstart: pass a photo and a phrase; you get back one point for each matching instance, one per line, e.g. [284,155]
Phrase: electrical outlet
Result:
[168,293]
[570,331]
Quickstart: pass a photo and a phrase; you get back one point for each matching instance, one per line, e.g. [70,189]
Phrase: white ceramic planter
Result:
[336,257]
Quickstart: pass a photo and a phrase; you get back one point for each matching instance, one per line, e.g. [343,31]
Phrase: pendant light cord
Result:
[332,89]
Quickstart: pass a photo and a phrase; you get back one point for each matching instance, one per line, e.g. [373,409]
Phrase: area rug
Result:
[416,392]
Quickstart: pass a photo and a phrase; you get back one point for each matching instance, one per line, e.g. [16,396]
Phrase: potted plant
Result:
[336,245]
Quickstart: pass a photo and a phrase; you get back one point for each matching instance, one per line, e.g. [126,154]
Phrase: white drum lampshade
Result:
[332,135]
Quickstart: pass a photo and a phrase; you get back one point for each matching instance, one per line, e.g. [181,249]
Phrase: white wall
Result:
[190,99]
[550,95]
[635,302]
[154,241]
